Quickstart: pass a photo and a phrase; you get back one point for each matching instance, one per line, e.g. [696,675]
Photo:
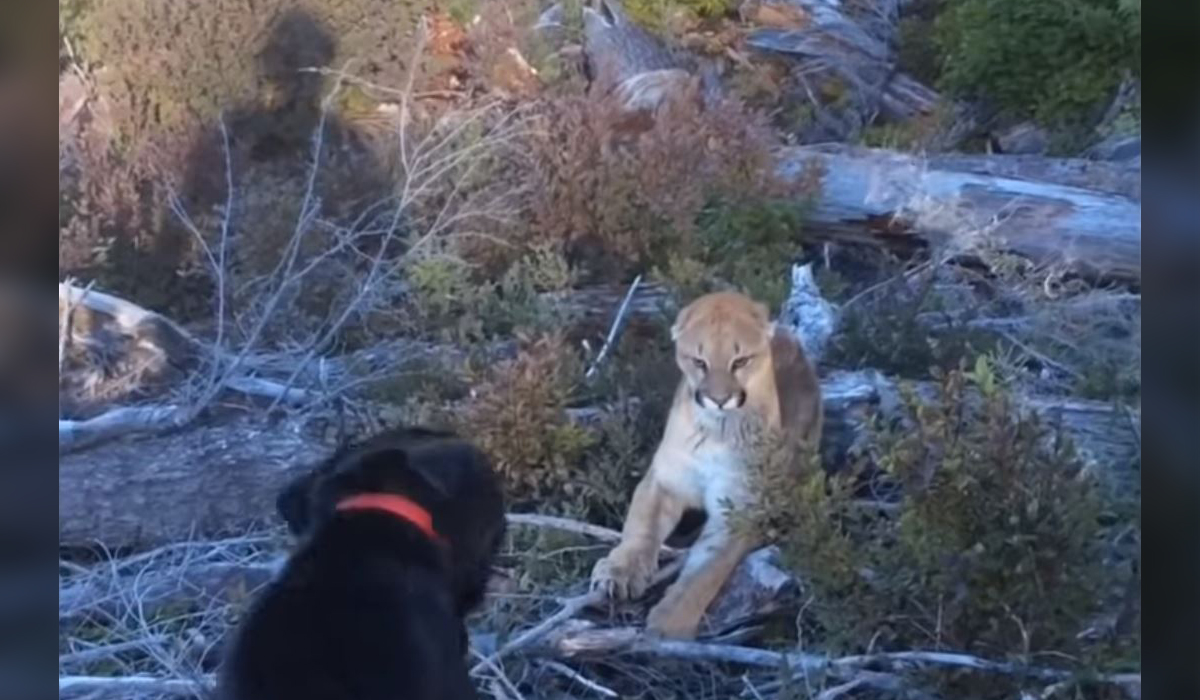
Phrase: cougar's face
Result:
[722,347]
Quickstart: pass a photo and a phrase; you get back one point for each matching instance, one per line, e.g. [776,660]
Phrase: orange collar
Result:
[397,505]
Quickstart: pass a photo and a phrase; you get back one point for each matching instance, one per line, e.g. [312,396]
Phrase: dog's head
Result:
[440,472]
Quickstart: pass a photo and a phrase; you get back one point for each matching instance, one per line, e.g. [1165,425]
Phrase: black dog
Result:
[398,537]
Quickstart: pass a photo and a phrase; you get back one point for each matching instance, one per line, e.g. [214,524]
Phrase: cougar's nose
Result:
[723,402]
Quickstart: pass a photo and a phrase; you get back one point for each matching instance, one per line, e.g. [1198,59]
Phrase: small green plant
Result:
[995,547]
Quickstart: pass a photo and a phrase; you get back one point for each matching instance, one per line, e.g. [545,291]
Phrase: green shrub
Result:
[454,301]
[1052,61]
[995,547]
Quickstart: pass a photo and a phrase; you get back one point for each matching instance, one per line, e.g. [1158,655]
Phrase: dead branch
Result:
[570,608]
[104,651]
[615,329]
[155,591]
[77,434]
[581,640]
[577,677]
[567,525]
[127,686]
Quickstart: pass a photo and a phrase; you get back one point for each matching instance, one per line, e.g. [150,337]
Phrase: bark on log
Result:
[212,480]
[203,480]
[882,197]
[1112,177]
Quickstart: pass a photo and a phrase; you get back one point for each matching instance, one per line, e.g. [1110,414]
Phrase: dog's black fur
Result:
[369,607]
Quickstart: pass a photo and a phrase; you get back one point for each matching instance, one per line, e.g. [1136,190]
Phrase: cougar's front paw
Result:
[623,575]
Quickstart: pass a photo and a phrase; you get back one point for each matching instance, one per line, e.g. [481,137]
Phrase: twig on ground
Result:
[577,677]
[615,329]
[570,608]
[75,434]
[501,677]
[567,525]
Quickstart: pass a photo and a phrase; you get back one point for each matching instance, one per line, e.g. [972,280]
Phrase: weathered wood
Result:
[208,480]
[1112,177]
[202,480]
[882,197]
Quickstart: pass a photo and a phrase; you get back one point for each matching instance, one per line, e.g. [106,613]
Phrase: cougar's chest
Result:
[715,471]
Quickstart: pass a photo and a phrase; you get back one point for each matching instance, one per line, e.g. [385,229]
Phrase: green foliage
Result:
[752,245]
[881,330]
[995,547]
[917,52]
[1053,61]
[453,301]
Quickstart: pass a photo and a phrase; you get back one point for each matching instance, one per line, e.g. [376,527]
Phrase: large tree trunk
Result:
[883,197]
[212,480]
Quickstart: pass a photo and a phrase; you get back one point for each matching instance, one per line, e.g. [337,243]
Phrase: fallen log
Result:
[883,197]
[1112,177]
[208,480]
[202,480]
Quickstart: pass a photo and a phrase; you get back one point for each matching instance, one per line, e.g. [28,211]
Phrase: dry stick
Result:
[633,641]
[501,678]
[125,686]
[615,328]
[106,651]
[567,525]
[570,607]
[577,677]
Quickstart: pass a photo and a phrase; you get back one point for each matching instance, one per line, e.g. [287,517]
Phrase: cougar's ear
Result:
[762,312]
[682,321]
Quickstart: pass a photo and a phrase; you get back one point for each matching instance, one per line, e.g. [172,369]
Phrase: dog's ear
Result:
[391,470]
[294,503]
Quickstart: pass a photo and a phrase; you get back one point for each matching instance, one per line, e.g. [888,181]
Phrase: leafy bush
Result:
[454,301]
[994,548]
[1053,61]
[616,193]
[518,415]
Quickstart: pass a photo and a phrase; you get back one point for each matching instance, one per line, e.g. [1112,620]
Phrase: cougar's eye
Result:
[739,363]
[699,364]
